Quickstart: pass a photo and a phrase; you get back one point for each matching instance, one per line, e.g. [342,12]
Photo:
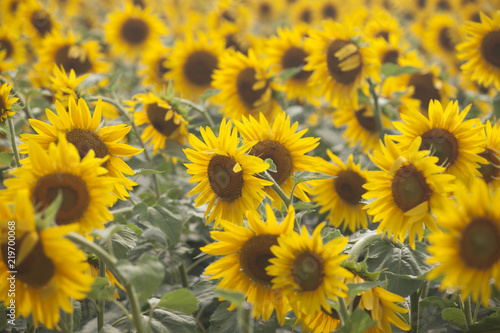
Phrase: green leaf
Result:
[236,297]
[173,219]
[490,324]
[304,176]
[6,158]
[455,316]
[101,289]
[303,205]
[358,322]
[109,329]
[138,231]
[77,315]
[272,166]
[329,233]
[496,106]
[146,276]
[440,303]
[357,288]
[391,69]
[165,321]
[48,216]
[182,300]
[170,91]
[209,93]
[290,72]
[146,171]
[123,242]
[224,321]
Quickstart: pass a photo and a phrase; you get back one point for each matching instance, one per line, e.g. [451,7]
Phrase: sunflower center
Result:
[85,140]
[75,196]
[480,243]
[279,154]
[343,60]
[295,57]
[265,9]
[156,115]
[367,122]
[134,31]
[442,144]
[443,5]
[308,270]
[424,89]
[36,269]
[255,255]
[491,170]
[445,39]
[227,184]
[73,57]
[329,12]
[409,188]
[161,69]
[41,21]
[391,56]
[244,85]
[6,45]
[490,48]
[13,6]
[421,3]
[349,186]
[306,16]
[199,67]
[383,34]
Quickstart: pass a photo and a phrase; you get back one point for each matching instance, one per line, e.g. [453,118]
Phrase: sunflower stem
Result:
[476,310]
[466,308]
[100,303]
[414,311]
[276,188]
[344,312]
[203,111]
[123,210]
[363,243]
[184,276]
[245,318]
[376,111]
[13,141]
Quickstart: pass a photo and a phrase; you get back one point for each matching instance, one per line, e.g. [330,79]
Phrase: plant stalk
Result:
[12,133]
[414,311]
[100,303]
[377,112]
[363,243]
[276,188]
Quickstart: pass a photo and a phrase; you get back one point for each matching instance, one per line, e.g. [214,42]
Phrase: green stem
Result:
[376,110]
[467,311]
[277,188]
[124,309]
[476,310]
[245,318]
[30,328]
[68,321]
[363,243]
[13,141]
[184,276]
[122,210]
[414,311]
[100,303]
[344,313]
[201,110]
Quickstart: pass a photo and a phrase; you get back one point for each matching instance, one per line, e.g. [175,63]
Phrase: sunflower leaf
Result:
[101,289]
[224,321]
[209,93]
[182,300]
[304,176]
[455,316]
[357,288]
[487,324]
[165,321]
[236,297]
[391,69]
[358,322]
[146,171]
[6,158]
[272,166]
[290,72]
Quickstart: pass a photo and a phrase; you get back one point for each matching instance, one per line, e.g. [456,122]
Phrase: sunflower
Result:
[307,270]
[490,172]
[480,51]
[247,252]
[284,146]
[6,102]
[9,10]
[155,66]
[228,14]
[382,25]
[13,48]
[64,85]
[303,12]
[82,131]
[467,254]
[408,188]
[94,272]
[246,87]
[193,62]
[50,269]
[165,121]
[457,143]
[333,10]
[266,11]
[37,22]
[340,66]
[133,31]
[225,174]
[287,51]
[342,194]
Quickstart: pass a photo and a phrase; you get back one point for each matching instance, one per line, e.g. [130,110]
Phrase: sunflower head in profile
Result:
[490,172]
[467,254]
[37,22]
[339,64]
[6,102]
[225,174]
[93,271]
[133,31]
[164,121]
[247,252]
[455,141]
[84,132]
[246,87]
[309,271]
[407,189]
[50,269]
[155,68]
[480,51]
[193,62]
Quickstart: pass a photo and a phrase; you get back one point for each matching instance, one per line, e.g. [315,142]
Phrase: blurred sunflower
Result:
[94,272]
[228,14]
[246,253]
[340,66]
[408,188]
[490,172]
[165,121]
[467,254]
[63,85]
[6,102]
[246,87]
[236,39]
[303,12]
[193,62]
[225,174]
[456,143]
[178,15]
[11,44]
[37,22]
[308,271]
[341,195]
[286,147]
[9,10]
[480,51]
[82,130]
[382,25]
[133,31]
[50,269]
[265,11]
[155,68]
[333,10]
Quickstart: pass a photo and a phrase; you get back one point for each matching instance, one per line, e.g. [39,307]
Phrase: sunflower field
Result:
[250,166]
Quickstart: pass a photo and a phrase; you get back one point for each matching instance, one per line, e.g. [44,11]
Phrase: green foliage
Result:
[358,322]
[182,300]
[236,297]
[391,69]
[272,166]
[357,288]
[109,329]
[456,317]
[101,290]
[489,324]
[165,321]
[6,158]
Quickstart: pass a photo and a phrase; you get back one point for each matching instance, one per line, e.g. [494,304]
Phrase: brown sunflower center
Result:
[134,31]
[36,269]
[480,243]
[85,140]
[424,89]
[306,16]
[14,5]
[343,60]
[308,270]
[73,57]
[244,85]
[367,122]
[75,196]
[42,22]
[349,186]
[156,115]
[443,5]
[199,67]
[491,170]
[442,144]
[161,69]
[279,154]
[391,56]
[409,188]
[490,48]
[383,34]
[139,3]
[255,255]
[446,40]
[265,9]
[295,57]
[227,184]
[421,3]
[329,12]
[6,45]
